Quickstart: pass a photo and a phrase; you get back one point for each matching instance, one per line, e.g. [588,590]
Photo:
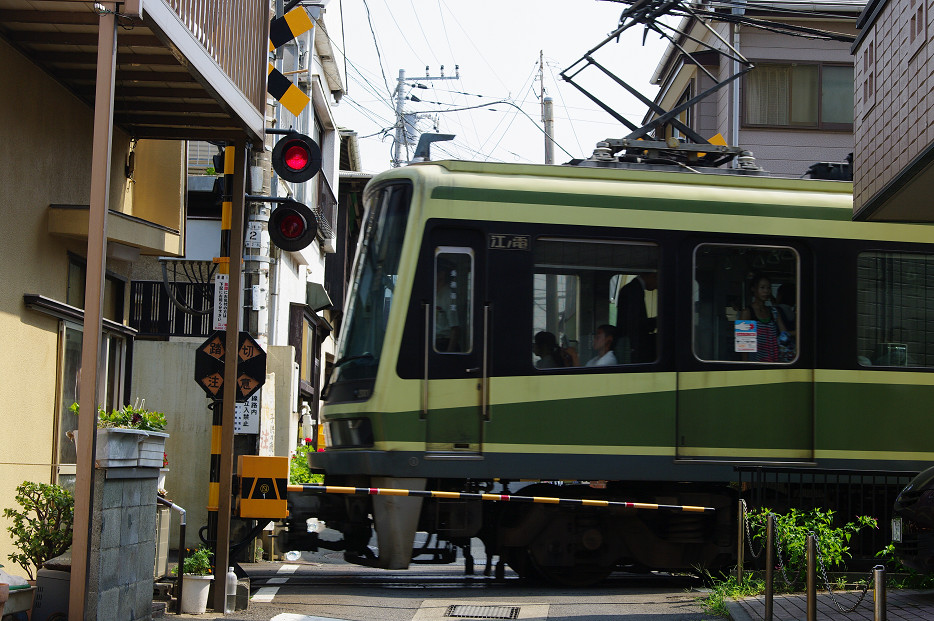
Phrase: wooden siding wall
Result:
[896,122]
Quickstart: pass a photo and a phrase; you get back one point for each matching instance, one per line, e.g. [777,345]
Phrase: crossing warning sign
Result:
[209,366]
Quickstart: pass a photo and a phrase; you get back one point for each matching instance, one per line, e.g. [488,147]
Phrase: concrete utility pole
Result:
[548,112]
[401,134]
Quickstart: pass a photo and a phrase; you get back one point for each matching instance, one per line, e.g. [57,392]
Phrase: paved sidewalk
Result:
[901,605]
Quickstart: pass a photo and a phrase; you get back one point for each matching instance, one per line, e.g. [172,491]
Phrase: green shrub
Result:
[198,562]
[299,472]
[42,527]
[793,528]
[128,417]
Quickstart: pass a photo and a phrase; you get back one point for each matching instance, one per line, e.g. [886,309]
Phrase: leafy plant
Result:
[793,528]
[906,577]
[128,417]
[42,527]
[299,472]
[198,562]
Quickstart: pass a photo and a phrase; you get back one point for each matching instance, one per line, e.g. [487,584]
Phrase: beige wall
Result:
[163,374]
[157,189]
[45,159]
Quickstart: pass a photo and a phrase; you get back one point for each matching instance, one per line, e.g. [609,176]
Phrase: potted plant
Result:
[196,576]
[42,526]
[130,436]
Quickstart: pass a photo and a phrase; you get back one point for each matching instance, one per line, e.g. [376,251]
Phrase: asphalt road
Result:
[321,586]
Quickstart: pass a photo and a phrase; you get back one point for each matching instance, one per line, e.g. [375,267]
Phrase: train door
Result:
[455,374]
[745,392]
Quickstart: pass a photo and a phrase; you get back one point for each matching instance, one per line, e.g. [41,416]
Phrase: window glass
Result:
[594,303]
[837,95]
[453,295]
[895,295]
[745,303]
[798,95]
[804,94]
[109,389]
[374,283]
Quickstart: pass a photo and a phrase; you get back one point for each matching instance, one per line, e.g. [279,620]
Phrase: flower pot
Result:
[128,448]
[161,481]
[195,594]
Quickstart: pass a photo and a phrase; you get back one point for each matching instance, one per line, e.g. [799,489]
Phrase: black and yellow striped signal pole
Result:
[222,428]
[217,418]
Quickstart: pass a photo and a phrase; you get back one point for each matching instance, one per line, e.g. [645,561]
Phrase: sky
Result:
[496,46]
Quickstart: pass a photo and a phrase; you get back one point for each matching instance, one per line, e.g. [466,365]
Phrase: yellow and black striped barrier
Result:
[580,502]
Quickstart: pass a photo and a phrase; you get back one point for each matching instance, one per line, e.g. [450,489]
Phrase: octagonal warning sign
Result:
[210,358]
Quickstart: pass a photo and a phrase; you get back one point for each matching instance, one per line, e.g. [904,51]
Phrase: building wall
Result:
[790,152]
[894,115]
[45,159]
[163,374]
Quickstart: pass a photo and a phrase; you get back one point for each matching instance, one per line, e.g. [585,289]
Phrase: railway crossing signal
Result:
[292,226]
[209,366]
[296,157]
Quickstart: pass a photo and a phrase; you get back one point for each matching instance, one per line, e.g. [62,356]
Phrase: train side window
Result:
[578,285]
[745,303]
[895,291]
[453,300]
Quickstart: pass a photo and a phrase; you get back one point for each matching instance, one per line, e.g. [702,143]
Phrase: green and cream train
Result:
[444,380]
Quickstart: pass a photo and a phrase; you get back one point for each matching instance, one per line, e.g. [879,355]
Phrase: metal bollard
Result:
[739,543]
[769,563]
[812,578]
[878,592]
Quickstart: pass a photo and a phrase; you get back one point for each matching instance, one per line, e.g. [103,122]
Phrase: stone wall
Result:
[123,533]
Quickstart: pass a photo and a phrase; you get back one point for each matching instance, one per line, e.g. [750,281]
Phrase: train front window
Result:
[374,283]
[894,295]
[594,303]
[453,297]
[745,303]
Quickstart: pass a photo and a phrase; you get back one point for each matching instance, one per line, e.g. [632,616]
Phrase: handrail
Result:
[181,547]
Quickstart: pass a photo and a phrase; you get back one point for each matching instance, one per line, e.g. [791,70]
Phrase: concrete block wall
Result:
[123,544]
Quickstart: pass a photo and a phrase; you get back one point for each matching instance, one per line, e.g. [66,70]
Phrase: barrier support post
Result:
[812,578]
[739,542]
[878,592]
[769,563]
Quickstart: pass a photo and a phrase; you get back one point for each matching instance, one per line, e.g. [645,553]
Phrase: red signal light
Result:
[292,226]
[296,158]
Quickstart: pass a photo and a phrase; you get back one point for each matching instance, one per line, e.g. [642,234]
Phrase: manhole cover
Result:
[462,611]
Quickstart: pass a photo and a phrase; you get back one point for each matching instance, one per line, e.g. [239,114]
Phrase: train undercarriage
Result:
[557,544]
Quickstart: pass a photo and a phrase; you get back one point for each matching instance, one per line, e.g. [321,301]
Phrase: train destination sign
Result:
[209,366]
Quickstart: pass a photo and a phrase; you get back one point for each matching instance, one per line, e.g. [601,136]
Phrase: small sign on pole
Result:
[246,416]
[221,291]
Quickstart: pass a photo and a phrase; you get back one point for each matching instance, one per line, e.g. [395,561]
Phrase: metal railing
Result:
[234,33]
[153,314]
[326,208]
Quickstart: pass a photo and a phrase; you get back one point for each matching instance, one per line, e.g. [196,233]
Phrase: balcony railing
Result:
[234,33]
[326,208]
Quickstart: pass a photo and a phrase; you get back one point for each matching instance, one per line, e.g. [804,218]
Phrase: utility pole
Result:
[548,113]
[401,133]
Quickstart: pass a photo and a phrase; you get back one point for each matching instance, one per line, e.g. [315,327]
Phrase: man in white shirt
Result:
[603,341]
